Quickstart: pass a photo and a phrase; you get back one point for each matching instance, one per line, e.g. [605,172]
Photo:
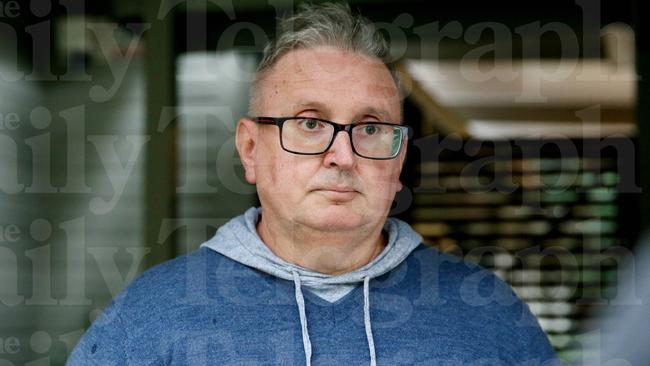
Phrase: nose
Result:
[340,154]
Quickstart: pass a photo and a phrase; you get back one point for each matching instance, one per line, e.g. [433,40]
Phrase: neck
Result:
[321,251]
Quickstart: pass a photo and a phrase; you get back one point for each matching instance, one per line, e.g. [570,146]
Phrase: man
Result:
[319,275]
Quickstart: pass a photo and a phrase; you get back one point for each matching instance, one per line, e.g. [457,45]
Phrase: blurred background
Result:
[117,150]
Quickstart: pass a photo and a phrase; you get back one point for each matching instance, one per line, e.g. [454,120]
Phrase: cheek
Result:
[273,187]
[388,174]
[282,176]
[384,182]
[267,159]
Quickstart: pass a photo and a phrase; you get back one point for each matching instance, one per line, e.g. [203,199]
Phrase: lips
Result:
[339,189]
[338,193]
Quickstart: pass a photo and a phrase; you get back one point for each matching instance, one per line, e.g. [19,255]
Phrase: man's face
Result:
[337,190]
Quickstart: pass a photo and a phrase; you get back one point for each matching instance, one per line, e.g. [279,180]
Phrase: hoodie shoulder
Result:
[462,282]
[479,300]
[172,280]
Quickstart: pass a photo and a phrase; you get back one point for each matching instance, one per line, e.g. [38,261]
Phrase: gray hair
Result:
[327,24]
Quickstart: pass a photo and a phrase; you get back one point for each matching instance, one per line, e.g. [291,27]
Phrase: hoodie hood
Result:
[239,241]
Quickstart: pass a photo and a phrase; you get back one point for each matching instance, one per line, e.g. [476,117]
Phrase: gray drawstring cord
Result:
[306,343]
[366,321]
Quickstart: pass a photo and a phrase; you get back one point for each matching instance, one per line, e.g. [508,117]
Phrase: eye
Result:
[370,129]
[310,124]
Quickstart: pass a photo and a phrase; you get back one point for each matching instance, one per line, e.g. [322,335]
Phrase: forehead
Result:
[328,80]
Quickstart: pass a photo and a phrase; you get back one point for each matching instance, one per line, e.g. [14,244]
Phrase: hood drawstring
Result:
[366,320]
[306,342]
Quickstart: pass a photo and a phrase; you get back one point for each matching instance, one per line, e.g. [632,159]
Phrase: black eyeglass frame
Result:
[279,121]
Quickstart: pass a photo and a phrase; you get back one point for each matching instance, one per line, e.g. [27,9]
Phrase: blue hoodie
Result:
[234,302]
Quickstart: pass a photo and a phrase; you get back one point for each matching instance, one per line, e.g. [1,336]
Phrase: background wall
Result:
[116,149]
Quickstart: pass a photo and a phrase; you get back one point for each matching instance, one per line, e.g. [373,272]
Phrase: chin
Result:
[333,218]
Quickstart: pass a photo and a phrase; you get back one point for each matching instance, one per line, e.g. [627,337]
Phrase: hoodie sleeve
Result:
[104,343]
[532,344]
[537,348]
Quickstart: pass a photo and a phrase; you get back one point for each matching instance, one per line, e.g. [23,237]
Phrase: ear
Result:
[246,142]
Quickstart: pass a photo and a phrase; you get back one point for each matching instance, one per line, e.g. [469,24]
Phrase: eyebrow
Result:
[369,110]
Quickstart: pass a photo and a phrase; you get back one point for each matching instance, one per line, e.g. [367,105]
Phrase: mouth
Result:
[338,194]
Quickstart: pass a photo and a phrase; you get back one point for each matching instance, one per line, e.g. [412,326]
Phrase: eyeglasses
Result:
[314,136]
